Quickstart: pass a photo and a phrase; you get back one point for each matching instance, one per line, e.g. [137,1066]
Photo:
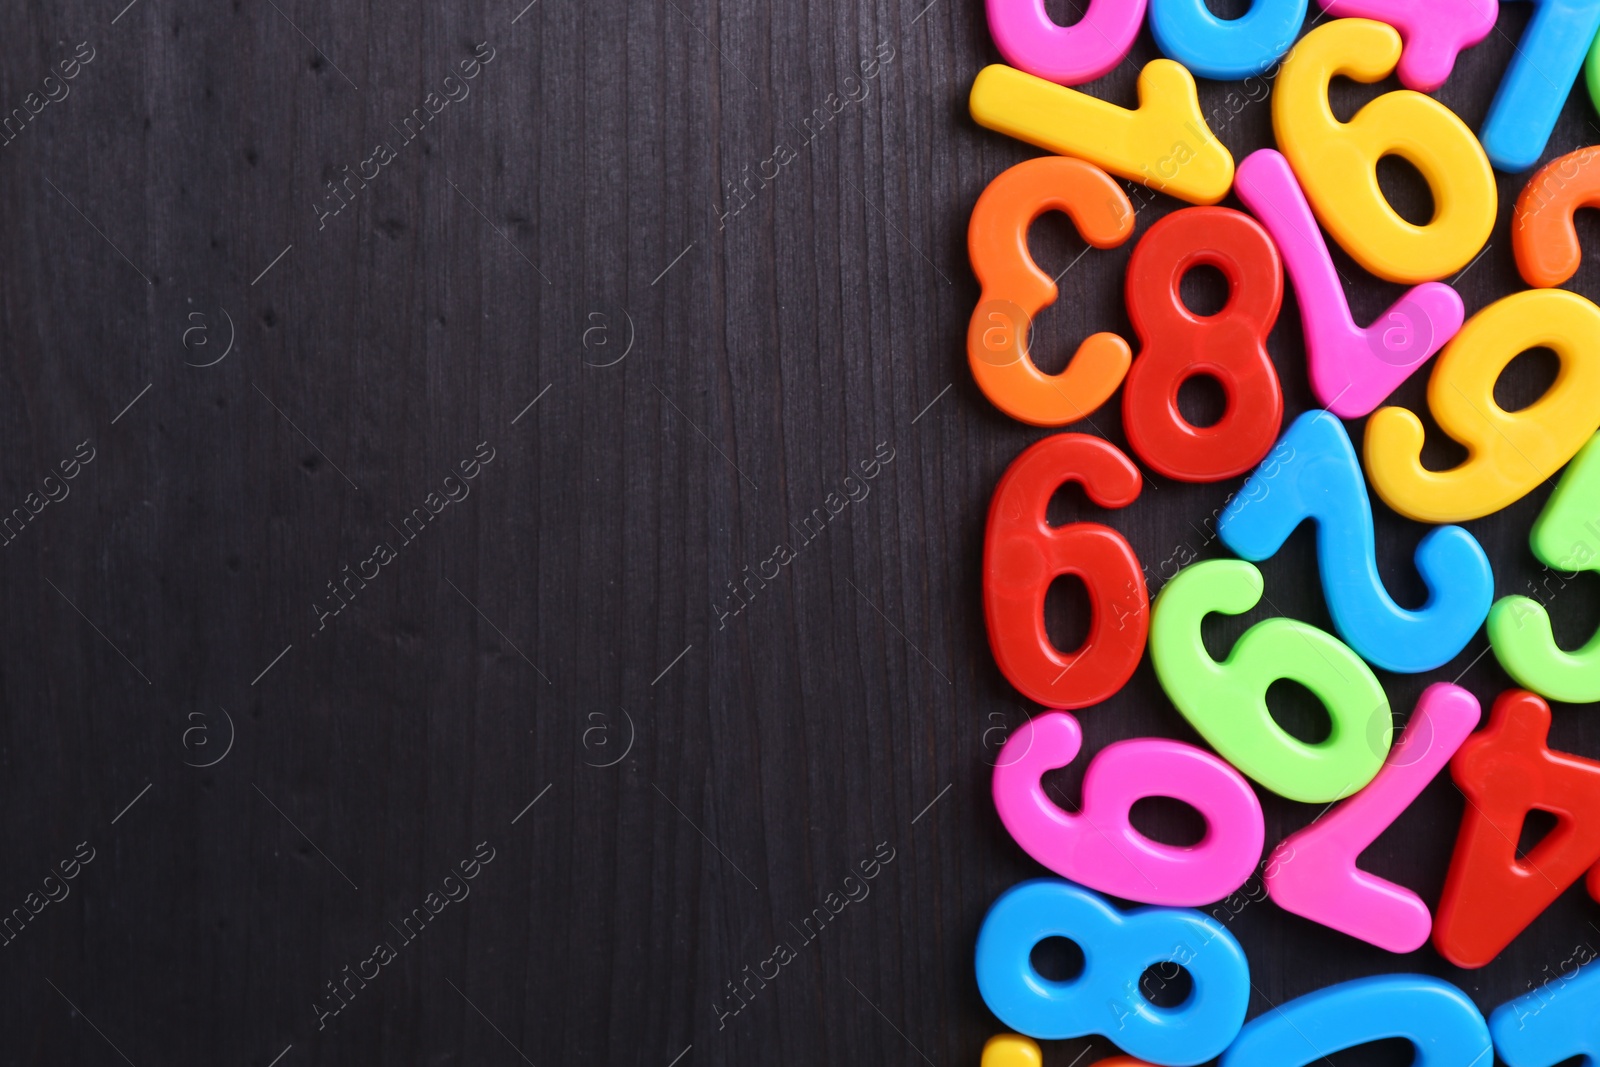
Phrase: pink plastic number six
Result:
[1031,40]
[1099,847]
[1313,873]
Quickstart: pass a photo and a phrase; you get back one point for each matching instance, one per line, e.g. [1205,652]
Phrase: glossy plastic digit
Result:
[1434,32]
[1490,895]
[1099,847]
[1564,538]
[1164,143]
[1313,872]
[1015,289]
[1353,370]
[1543,237]
[1226,49]
[1117,948]
[1508,453]
[1322,482]
[1177,344]
[1440,1020]
[1227,702]
[1534,88]
[1031,40]
[1023,554]
[1337,162]
[1553,1023]
[1014,1050]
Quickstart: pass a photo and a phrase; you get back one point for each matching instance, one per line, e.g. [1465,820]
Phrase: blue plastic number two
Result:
[1320,479]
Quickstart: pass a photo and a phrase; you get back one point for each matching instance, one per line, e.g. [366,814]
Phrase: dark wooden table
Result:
[424,427]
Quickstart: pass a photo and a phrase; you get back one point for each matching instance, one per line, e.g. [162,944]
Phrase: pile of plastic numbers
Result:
[1322,178]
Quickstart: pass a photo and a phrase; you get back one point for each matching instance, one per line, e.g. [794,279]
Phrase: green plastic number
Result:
[1563,539]
[1227,701]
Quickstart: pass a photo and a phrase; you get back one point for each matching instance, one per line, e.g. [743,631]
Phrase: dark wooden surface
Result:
[702,782]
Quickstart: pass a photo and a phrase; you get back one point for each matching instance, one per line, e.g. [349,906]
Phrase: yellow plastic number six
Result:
[1337,162]
[1509,453]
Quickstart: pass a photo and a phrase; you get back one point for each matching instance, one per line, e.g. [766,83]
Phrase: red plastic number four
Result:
[1490,896]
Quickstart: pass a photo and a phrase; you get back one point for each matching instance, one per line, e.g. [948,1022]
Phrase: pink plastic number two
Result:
[1099,847]
[1352,370]
[1313,873]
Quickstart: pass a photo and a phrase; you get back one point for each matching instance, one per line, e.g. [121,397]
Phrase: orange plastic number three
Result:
[1015,289]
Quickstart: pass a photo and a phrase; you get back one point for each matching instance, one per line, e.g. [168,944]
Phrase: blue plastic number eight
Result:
[1321,480]
[1117,947]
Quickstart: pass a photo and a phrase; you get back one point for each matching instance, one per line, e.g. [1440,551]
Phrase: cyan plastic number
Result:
[1321,481]
[1536,84]
[1439,1019]
[1553,1023]
[1226,49]
[1105,998]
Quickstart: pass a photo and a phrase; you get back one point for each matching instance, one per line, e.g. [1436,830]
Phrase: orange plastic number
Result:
[1015,289]
[1542,234]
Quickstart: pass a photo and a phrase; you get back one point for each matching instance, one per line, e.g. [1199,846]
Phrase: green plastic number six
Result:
[1227,701]
[1563,539]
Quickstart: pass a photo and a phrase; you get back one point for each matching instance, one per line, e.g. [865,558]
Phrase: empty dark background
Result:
[701,782]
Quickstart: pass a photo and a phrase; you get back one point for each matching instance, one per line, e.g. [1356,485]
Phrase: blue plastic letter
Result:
[1555,1022]
[1226,49]
[1117,948]
[1320,479]
[1434,1015]
[1535,86]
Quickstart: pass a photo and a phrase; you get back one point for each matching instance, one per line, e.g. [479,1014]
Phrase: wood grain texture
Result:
[703,780]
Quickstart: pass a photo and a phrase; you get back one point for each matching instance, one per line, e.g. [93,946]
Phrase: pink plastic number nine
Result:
[1031,40]
[1313,873]
[1352,370]
[1434,32]
[1099,847]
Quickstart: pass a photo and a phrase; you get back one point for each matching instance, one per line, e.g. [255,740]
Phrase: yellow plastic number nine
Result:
[1337,162]
[1509,453]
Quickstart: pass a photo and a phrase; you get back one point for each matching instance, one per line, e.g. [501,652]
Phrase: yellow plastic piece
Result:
[1337,162]
[1508,453]
[1012,1050]
[1164,143]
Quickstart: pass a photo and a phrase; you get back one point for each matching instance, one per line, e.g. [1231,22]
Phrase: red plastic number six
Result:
[1023,554]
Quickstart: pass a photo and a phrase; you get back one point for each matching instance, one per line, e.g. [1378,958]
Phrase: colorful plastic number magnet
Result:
[1099,847]
[1490,896]
[1117,948]
[1434,31]
[1321,481]
[1542,234]
[1226,49]
[1164,144]
[1313,873]
[1227,702]
[1015,289]
[1337,162]
[1011,1050]
[1353,370]
[1564,538]
[1508,453]
[1435,1016]
[1229,346]
[1023,554]
[1031,40]
[1535,86]
[1552,1024]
